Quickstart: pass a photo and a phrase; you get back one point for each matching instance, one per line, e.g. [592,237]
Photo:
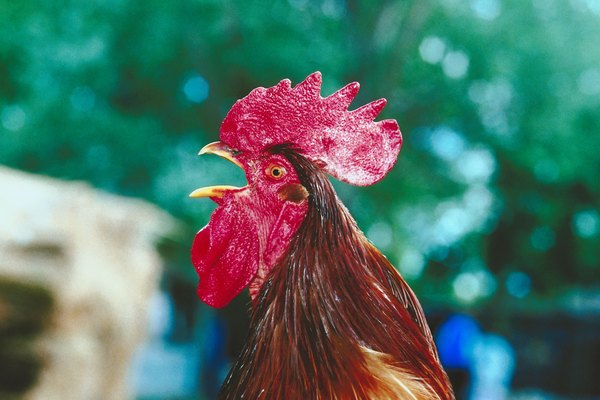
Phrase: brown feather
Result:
[334,319]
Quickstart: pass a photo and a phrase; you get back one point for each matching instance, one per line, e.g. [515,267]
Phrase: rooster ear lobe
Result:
[293,192]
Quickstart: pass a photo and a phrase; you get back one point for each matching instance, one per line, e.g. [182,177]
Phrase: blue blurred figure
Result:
[480,365]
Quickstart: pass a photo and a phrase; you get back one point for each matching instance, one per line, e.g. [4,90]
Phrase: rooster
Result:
[331,318]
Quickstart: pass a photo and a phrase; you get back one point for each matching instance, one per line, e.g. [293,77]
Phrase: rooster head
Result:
[253,225]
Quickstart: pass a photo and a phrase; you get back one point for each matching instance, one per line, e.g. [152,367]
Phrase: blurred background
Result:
[491,213]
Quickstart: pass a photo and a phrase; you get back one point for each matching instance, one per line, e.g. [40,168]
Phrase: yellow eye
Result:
[275,171]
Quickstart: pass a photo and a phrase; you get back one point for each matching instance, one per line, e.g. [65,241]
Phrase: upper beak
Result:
[225,152]
[221,150]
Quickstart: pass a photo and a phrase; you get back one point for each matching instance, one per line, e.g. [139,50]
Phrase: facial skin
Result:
[251,227]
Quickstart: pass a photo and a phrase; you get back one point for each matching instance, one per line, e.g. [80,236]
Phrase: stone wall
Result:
[77,268]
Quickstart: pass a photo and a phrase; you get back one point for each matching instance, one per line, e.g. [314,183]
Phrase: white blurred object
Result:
[492,368]
[95,253]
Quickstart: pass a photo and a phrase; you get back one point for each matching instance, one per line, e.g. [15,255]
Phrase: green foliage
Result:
[498,102]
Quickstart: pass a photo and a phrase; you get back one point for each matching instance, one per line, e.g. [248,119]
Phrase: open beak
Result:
[221,150]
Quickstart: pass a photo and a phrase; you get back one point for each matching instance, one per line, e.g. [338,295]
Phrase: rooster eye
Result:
[275,171]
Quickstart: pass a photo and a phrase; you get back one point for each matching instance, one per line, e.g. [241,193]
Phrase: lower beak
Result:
[212,191]
[221,150]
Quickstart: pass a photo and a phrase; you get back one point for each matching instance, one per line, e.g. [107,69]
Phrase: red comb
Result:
[349,144]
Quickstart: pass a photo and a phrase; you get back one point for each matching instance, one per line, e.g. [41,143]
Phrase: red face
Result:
[251,227]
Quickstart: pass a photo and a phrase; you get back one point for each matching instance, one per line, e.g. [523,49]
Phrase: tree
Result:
[495,190]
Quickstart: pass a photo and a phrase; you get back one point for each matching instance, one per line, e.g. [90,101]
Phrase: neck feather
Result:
[331,313]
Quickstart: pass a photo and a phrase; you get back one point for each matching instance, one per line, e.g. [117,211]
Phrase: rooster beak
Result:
[212,191]
[221,150]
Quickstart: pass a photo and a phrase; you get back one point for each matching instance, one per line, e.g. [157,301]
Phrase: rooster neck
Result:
[334,320]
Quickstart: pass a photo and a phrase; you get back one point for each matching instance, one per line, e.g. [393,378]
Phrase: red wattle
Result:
[225,253]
